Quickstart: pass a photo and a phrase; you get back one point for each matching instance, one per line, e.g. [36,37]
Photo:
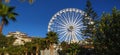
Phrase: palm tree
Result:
[45,45]
[74,48]
[7,13]
[64,45]
[2,44]
[52,38]
[28,47]
[37,43]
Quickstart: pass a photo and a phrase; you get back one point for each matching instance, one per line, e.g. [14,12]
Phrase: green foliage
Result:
[89,10]
[64,46]
[7,12]
[89,20]
[28,47]
[44,44]
[52,37]
[15,50]
[72,48]
[2,41]
[107,36]
[6,41]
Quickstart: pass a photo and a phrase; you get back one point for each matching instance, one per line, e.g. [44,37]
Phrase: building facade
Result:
[20,38]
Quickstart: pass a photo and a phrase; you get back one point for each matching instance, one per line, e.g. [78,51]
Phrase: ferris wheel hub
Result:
[71,28]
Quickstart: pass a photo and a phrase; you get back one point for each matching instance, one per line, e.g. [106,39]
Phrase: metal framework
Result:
[67,23]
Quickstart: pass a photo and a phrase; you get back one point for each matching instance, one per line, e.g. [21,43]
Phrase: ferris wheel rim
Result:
[64,11]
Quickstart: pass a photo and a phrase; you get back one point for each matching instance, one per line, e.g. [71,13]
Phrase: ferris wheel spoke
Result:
[77,15]
[78,31]
[80,24]
[63,36]
[61,30]
[80,20]
[60,23]
[75,37]
[61,19]
[72,37]
[69,17]
[65,16]
[72,17]
[79,27]
[78,35]
[62,33]
[61,27]
[69,37]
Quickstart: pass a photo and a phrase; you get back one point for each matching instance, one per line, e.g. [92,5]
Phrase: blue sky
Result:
[33,18]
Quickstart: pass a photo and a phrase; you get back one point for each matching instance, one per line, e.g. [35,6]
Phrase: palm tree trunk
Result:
[37,49]
[76,52]
[26,53]
[51,49]
[1,27]
[31,53]
[43,53]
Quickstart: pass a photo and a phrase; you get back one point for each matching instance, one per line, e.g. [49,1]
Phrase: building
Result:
[20,38]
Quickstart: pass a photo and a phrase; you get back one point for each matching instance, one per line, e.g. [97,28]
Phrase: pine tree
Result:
[89,10]
[89,20]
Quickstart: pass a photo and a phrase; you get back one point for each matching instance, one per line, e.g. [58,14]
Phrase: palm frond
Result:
[11,16]
[11,9]
[7,12]
[13,19]
[15,13]
[5,21]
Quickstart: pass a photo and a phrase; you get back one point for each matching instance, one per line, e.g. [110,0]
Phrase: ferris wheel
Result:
[68,24]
